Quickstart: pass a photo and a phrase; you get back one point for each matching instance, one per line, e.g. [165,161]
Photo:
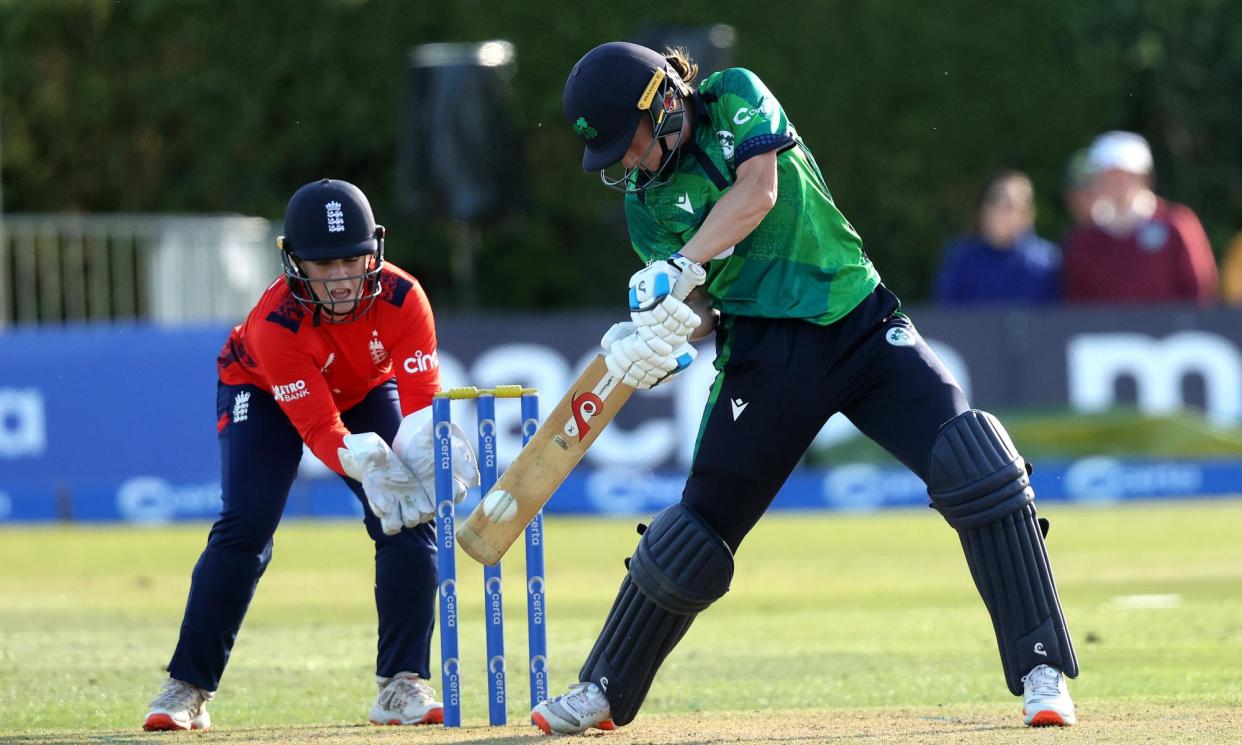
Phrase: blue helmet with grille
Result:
[327,220]
[608,94]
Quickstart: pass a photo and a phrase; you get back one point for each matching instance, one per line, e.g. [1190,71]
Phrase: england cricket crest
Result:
[379,355]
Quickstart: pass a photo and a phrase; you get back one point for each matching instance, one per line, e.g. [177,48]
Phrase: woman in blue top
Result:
[1004,261]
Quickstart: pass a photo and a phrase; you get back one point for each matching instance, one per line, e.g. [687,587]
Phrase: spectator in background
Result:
[1005,262]
[1136,246]
[1078,194]
[1231,271]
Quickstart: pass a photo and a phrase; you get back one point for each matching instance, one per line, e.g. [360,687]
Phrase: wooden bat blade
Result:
[531,479]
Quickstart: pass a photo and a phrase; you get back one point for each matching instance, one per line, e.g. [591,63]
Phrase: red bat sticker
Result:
[585,406]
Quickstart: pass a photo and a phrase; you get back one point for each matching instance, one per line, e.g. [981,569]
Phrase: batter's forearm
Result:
[734,217]
[711,319]
[738,212]
[701,303]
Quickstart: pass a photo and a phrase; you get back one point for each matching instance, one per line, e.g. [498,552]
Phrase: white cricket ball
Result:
[500,506]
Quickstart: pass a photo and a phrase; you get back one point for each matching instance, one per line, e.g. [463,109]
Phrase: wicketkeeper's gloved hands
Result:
[396,496]
[657,298]
[415,446]
[641,358]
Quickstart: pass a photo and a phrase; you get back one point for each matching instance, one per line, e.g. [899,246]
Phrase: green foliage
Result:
[191,105]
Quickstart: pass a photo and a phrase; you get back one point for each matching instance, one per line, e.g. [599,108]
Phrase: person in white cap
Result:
[1136,247]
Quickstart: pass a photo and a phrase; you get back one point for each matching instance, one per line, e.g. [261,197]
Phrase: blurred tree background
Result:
[230,105]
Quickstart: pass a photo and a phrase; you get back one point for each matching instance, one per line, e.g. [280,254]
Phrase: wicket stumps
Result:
[493,597]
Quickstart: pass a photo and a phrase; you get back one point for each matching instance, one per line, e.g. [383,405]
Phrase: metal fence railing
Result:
[58,268]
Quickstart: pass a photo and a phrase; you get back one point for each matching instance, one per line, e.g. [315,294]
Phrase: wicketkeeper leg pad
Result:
[981,486]
[681,566]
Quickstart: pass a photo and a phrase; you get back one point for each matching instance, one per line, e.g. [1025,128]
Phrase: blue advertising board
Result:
[118,422]
[87,411]
[624,491]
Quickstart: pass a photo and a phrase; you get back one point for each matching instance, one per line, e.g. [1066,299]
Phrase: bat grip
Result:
[690,278]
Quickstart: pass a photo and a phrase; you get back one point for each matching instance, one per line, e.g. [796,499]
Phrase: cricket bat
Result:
[559,443]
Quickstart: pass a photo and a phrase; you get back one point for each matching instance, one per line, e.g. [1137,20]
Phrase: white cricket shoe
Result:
[575,712]
[179,706]
[1045,698]
[406,698]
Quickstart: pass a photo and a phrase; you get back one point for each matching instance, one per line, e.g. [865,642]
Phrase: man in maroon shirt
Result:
[1136,247]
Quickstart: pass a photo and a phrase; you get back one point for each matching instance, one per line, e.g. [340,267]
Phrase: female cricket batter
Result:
[721,191]
[343,344]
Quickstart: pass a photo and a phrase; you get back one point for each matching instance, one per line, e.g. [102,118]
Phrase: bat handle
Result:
[692,275]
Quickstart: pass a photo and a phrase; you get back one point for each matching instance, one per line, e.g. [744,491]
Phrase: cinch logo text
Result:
[421,362]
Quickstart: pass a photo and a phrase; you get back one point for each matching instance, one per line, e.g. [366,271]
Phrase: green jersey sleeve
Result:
[804,260]
[754,116]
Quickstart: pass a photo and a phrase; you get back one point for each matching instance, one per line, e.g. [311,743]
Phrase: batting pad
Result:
[679,568]
[981,486]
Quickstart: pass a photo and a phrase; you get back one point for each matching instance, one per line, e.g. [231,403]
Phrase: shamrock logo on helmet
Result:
[584,129]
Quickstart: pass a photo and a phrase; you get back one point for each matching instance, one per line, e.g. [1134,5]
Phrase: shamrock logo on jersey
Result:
[584,129]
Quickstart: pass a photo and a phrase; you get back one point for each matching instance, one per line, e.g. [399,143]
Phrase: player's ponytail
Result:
[679,59]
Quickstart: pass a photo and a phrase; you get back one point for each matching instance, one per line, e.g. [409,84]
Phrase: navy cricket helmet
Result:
[326,220]
[606,96]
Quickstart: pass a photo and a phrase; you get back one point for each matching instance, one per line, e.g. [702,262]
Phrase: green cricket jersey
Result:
[804,260]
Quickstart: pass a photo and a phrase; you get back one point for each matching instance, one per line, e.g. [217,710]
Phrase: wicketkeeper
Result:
[719,188]
[340,354]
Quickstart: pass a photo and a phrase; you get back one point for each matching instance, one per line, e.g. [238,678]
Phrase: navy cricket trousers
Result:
[780,381]
[259,455]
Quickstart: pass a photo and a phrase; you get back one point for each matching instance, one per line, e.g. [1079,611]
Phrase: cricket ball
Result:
[500,506]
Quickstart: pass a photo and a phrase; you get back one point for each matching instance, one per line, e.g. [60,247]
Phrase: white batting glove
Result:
[657,295]
[670,319]
[643,362]
[415,446]
[396,496]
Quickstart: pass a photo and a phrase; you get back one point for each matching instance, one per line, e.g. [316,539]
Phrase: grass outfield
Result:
[838,628]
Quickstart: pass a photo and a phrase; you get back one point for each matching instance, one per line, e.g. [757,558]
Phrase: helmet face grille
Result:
[667,115]
[329,220]
[310,292]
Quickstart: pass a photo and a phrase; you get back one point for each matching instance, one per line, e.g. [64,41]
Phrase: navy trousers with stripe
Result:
[783,379]
[259,455]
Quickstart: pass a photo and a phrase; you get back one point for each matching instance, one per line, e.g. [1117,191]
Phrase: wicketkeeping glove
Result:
[657,295]
[396,496]
[642,360]
[415,446]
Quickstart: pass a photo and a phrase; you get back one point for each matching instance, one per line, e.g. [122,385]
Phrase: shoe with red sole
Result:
[179,706]
[406,698]
[575,712]
[1045,698]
